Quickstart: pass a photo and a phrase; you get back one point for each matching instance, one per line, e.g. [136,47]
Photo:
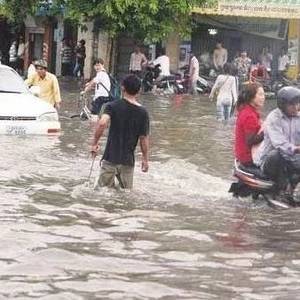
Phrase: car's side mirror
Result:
[35,90]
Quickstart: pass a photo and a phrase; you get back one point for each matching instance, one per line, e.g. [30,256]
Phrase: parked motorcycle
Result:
[168,84]
[151,73]
[284,81]
[204,83]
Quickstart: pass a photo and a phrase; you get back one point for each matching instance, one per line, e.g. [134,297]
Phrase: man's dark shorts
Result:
[98,103]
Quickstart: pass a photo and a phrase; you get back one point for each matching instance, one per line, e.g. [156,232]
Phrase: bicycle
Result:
[83,107]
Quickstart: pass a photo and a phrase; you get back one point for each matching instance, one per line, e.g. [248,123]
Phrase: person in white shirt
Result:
[164,62]
[102,86]
[20,54]
[283,63]
[266,58]
[137,61]
[194,73]
[225,91]
[13,55]
[220,56]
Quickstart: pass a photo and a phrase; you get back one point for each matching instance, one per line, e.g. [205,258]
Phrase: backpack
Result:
[115,88]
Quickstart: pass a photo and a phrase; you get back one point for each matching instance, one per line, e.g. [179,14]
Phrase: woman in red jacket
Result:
[248,130]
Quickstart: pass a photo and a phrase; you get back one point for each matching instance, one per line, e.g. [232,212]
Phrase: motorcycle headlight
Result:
[48,117]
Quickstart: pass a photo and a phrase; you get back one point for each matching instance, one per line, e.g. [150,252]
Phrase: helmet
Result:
[287,95]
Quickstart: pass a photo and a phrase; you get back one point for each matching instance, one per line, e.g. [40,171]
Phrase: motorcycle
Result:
[253,182]
[284,81]
[259,74]
[204,83]
[169,84]
[152,72]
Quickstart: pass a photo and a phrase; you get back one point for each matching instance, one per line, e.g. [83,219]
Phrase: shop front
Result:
[250,26]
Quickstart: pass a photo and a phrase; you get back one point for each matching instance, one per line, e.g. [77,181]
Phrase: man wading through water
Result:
[129,123]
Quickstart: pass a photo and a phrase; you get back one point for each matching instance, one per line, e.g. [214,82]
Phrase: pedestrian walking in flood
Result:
[47,83]
[80,54]
[102,86]
[193,73]
[224,92]
[220,57]
[243,65]
[137,61]
[129,124]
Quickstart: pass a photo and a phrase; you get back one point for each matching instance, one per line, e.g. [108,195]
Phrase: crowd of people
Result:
[16,55]
[272,146]
[248,69]
[72,58]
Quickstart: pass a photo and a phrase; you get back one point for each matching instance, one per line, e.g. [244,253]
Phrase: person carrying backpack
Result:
[102,86]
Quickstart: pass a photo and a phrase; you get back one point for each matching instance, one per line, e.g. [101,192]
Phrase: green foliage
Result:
[16,10]
[150,20]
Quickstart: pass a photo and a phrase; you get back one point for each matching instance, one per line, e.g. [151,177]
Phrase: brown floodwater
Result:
[177,235]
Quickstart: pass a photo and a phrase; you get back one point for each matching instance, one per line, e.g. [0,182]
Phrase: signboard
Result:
[271,28]
[279,9]
[293,51]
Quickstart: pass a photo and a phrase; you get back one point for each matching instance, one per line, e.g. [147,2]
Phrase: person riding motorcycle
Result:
[248,131]
[279,154]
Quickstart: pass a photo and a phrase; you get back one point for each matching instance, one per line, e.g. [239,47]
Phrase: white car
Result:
[22,113]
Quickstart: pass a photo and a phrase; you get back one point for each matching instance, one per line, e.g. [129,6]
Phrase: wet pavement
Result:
[177,235]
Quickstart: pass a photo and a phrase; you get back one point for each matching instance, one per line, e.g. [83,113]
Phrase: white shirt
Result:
[266,60]
[21,50]
[136,61]
[13,53]
[283,62]
[31,70]
[100,91]
[228,89]
[164,62]
[194,64]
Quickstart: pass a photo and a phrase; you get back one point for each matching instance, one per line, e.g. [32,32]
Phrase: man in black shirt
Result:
[129,123]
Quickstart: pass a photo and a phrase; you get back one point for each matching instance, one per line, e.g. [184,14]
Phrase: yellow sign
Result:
[278,9]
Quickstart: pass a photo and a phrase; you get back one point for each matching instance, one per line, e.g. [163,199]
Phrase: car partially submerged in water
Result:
[22,113]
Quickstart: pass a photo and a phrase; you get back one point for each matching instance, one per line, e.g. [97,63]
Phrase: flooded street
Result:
[177,235]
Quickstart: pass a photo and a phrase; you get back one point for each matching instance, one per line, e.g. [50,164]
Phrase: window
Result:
[10,82]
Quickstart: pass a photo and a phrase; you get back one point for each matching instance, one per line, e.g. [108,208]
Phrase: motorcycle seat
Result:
[255,171]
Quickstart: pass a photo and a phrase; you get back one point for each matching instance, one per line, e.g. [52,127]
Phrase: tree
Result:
[149,20]
[16,10]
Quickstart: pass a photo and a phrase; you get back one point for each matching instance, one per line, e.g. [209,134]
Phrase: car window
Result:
[11,82]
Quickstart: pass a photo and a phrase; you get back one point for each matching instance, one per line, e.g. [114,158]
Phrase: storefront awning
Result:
[270,28]
[281,9]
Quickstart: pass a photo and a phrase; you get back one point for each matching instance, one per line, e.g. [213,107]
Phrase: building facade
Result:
[251,26]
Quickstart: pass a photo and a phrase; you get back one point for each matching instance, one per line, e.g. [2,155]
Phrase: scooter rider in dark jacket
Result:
[279,153]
